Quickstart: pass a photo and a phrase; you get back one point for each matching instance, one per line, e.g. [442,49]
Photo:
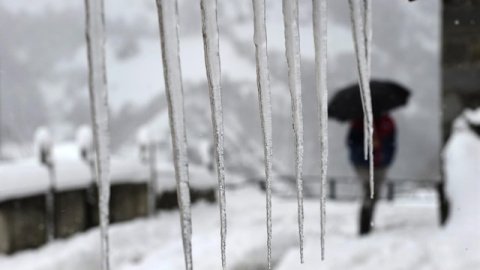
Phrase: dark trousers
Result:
[368,203]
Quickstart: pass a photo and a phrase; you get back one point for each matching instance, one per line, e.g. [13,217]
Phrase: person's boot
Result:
[366,219]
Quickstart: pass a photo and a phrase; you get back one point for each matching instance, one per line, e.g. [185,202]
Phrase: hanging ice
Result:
[367,19]
[263,83]
[212,64]
[100,118]
[168,21]
[320,39]
[292,45]
[363,74]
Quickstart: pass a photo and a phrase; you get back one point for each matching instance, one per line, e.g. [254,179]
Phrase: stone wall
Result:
[460,59]
[128,201]
[70,213]
[23,220]
[22,224]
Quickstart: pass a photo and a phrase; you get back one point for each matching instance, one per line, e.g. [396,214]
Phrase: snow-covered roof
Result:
[199,177]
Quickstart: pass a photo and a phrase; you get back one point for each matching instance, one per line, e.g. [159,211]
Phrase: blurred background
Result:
[44,83]
[45,79]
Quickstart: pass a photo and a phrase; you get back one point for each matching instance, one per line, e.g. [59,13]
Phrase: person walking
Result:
[384,147]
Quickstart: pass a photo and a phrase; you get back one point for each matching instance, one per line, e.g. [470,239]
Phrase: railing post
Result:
[43,145]
[147,151]
[84,139]
[390,191]
[332,189]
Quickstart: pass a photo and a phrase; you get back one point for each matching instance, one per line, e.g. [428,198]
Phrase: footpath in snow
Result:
[406,237]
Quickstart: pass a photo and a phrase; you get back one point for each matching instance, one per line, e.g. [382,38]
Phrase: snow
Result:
[406,237]
[212,66]
[28,177]
[320,40]
[473,116]
[263,84]
[23,179]
[462,171]
[143,137]
[168,20]
[404,246]
[84,137]
[43,139]
[292,45]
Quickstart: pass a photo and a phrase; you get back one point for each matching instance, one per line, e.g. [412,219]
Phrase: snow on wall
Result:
[462,167]
[28,177]
[22,179]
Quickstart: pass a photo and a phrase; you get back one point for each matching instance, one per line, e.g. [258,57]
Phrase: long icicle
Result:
[359,40]
[368,53]
[320,40]
[213,67]
[292,45]
[95,34]
[263,83]
[367,20]
[168,21]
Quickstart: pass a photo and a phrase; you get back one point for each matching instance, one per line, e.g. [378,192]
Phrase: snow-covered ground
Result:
[406,235]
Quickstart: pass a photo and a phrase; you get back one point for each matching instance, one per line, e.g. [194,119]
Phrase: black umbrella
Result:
[347,104]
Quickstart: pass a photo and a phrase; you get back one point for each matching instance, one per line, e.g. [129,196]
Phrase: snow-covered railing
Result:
[28,178]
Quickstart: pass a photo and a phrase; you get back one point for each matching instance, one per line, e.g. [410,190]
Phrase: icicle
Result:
[367,19]
[365,137]
[363,74]
[212,64]
[320,39]
[292,44]
[95,35]
[168,20]
[263,83]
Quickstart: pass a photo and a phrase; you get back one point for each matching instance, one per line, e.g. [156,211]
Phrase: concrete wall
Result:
[22,224]
[70,213]
[128,201]
[23,220]
[460,59]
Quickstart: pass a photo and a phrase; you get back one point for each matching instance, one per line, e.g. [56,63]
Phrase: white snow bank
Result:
[43,139]
[84,137]
[473,116]
[200,178]
[462,168]
[29,177]
[22,179]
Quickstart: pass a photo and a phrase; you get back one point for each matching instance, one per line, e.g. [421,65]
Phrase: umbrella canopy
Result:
[346,105]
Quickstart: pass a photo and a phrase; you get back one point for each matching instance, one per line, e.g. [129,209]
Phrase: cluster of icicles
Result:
[168,21]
